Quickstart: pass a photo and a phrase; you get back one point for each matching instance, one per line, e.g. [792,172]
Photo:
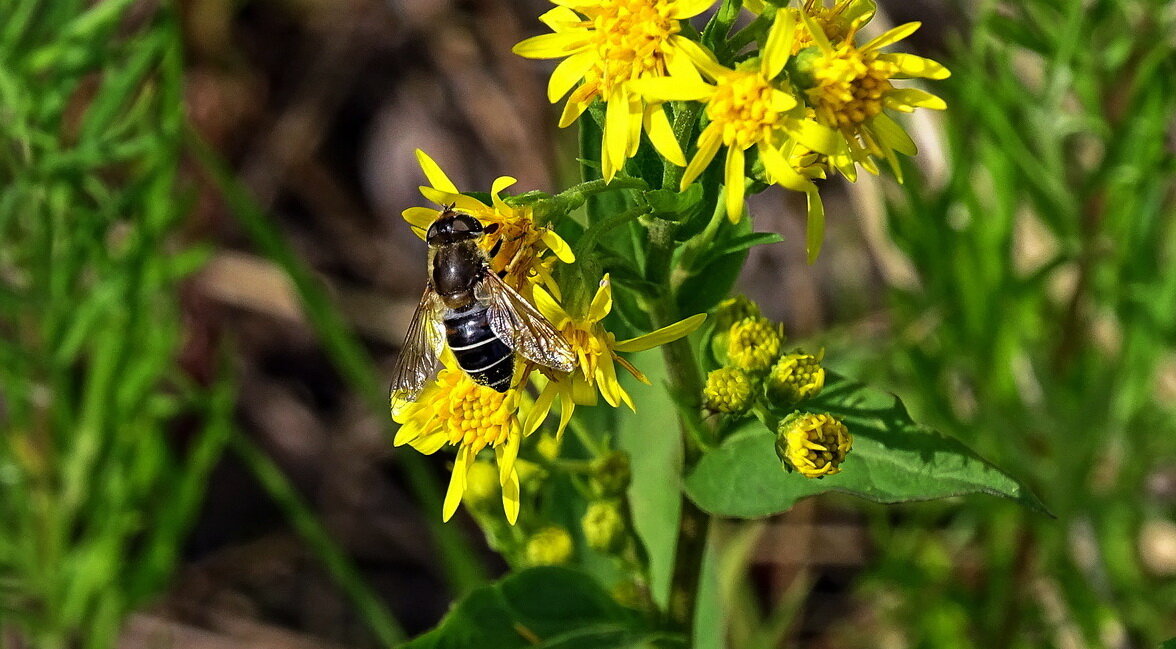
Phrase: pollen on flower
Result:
[849,85]
[631,37]
[742,105]
[728,390]
[753,344]
[813,444]
[796,377]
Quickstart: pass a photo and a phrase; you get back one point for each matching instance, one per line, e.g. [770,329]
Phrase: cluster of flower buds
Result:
[757,375]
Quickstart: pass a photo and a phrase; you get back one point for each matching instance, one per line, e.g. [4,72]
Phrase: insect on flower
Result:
[483,320]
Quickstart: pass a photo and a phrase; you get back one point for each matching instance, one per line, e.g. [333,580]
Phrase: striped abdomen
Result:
[482,354]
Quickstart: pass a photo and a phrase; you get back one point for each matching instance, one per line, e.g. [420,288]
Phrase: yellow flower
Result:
[815,445]
[849,86]
[454,410]
[749,107]
[728,389]
[753,344]
[516,243]
[596,351]
[604,45]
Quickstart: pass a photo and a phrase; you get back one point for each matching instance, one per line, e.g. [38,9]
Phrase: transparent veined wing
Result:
[515,321]
[421,349]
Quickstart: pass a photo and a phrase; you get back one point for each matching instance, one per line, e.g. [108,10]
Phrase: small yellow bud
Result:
[728,389]
[611,474]
[815,445]
[604,526]
[482,490]
[796,377]
[550,546]
[548,447]
[753,344]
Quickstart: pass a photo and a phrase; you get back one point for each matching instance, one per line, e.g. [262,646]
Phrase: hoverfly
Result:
[469,307]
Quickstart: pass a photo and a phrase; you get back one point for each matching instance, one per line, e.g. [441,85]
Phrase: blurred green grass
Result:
[1039,329]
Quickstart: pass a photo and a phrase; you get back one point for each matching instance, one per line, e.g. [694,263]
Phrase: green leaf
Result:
[675,206]
[893,460]
[538,607]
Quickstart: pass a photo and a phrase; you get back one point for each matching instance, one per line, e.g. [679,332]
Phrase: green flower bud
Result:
[796,377]
[604,526]
[815,445]
[729,390]
[550,546]
[611,474]
[753,344]
[734,309]
[548,447]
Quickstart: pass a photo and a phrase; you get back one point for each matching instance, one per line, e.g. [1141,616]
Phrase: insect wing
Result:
[420,351]
[515,321]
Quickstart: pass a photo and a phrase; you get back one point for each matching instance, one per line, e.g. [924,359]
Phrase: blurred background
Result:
[204,279]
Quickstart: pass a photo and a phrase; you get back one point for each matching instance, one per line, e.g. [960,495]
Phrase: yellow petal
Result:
[703,58]
[907,99]
[782,102]
[553,46]
[911,66]
[557,245]
[500,183]
[567,74]
[689,8]
[567,405]
[430,444]
[672,89]
[550,308]
[708,145]
[571,112]
[892,134]
[657,125]
[781,171]
[778,47]
[602,301]
[754,6]
[891,36]
[815,230]
[616,128]
[636,115]
[506,455]
[679,65]
[560,19]
[437,178]
[420,218]
[457,483]
[817,137]
[405,435]
[733,181]
[661,336]
[510,497]
[541,408]
[606,381]
[460,201]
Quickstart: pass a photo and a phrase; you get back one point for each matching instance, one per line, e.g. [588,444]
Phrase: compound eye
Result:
[432,231]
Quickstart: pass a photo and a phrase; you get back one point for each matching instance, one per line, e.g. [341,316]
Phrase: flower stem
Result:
[686,381]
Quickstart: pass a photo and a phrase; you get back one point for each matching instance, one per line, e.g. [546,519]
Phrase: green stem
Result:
[685,378]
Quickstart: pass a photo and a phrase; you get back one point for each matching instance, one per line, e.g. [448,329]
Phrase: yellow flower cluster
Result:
[812,99]
[455,410]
